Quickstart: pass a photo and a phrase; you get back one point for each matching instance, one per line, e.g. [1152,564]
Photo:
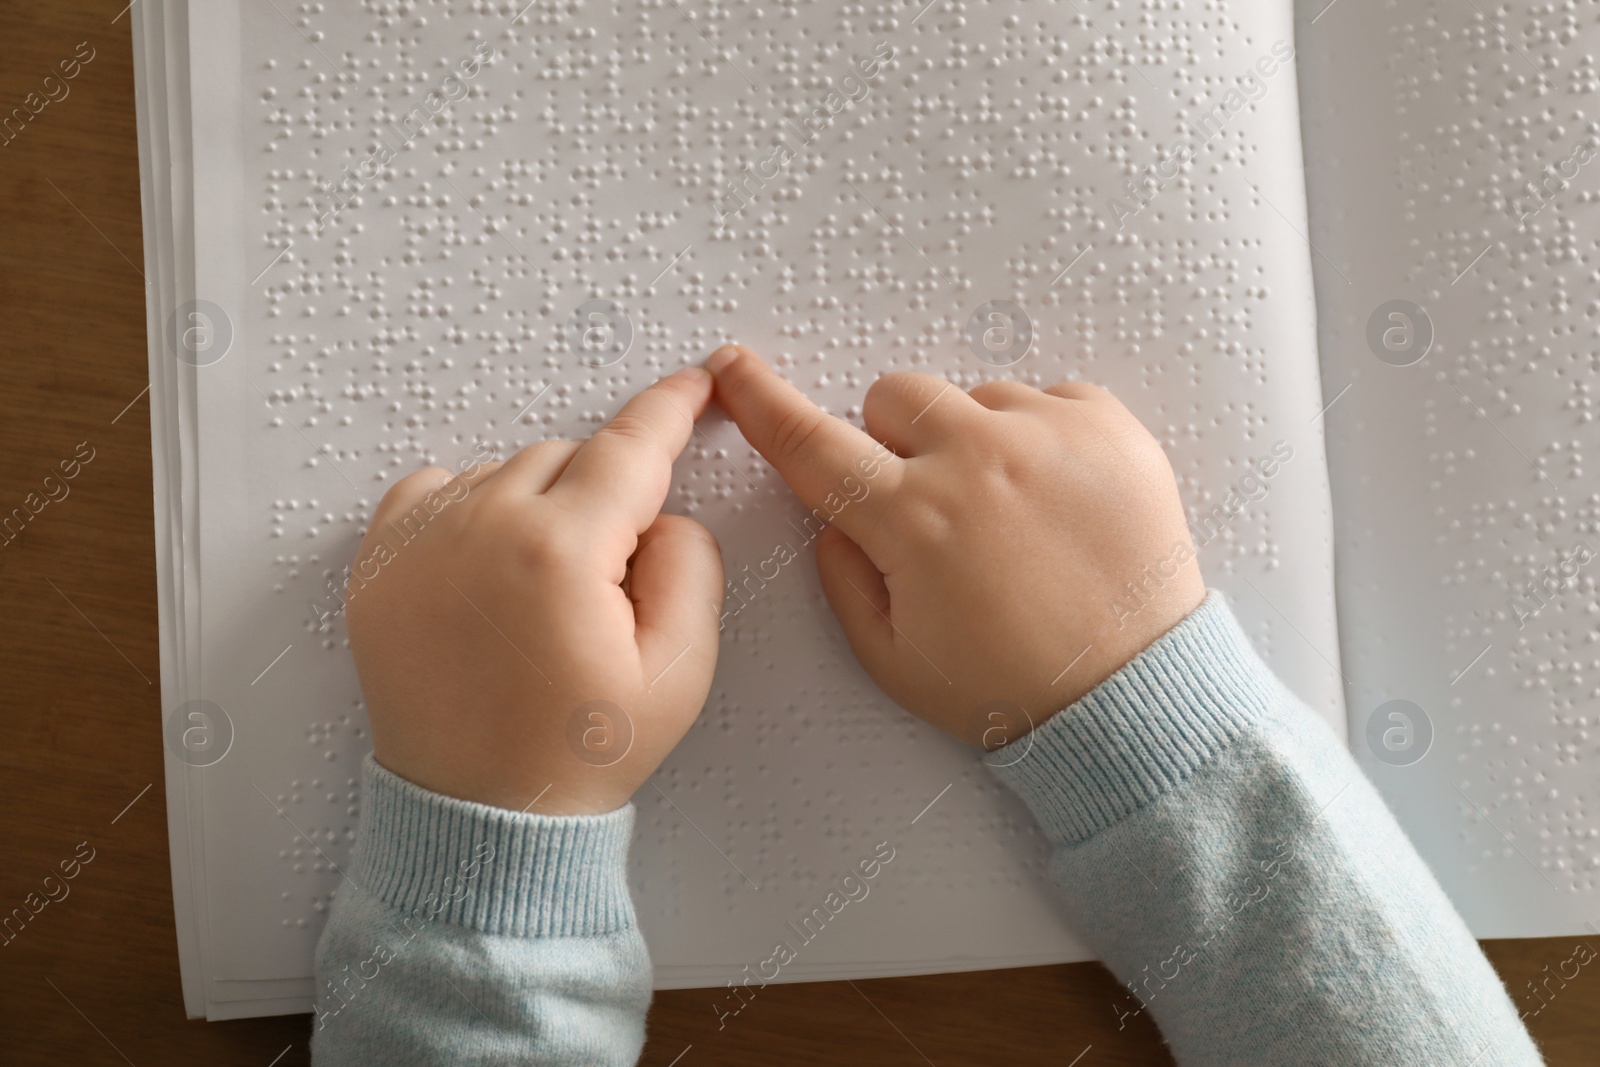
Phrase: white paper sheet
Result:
[431,313]
[1461,477]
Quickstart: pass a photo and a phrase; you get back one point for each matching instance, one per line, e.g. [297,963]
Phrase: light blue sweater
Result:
[1213,841]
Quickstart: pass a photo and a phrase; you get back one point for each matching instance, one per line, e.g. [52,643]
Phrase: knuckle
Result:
[998,466]
[794,431]
[884,395]
[685,531]
[999,390]
[989,388]
[513,529]
[928,523]
[410,486]
[687,528]
[894,383]
[551,546]
[541,456]
[629,426]
[477,472]
[555,446]
[1071,389]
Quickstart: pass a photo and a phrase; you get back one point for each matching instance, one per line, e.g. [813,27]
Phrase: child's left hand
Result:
[546,633]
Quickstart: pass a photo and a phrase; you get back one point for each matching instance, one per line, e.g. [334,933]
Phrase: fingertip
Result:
[739,380]
[722,357]
[693,382]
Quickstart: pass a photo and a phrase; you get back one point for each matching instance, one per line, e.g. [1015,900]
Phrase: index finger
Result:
[625,469]
[825,460]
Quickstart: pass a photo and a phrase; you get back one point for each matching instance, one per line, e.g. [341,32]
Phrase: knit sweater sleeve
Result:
[1213,841]
[469,934]
[1218,847]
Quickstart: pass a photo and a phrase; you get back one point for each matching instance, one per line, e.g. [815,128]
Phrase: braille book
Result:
[1340,258]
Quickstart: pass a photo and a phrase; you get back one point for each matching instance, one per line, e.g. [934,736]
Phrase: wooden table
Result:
[93,978]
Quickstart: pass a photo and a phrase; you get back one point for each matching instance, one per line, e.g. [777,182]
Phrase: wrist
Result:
[1145,729]
[437,858]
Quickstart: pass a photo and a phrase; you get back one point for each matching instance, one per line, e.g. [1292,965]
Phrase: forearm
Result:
[1224,855]
[464,932]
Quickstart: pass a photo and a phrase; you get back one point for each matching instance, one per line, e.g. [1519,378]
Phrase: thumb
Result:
[677,570]
[859,597]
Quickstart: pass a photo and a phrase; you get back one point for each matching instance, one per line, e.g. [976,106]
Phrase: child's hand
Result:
[979,573]
[533,588]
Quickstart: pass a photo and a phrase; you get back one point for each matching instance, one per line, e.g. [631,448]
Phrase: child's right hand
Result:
[991,562]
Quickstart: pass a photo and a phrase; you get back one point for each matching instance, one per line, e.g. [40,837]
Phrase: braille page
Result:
[437,228]
[1450,150]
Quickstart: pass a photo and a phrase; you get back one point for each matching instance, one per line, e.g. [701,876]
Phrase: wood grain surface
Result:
[93,978]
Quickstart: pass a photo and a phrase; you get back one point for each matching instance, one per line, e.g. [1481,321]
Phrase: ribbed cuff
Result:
[439,859]
[1144,730]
